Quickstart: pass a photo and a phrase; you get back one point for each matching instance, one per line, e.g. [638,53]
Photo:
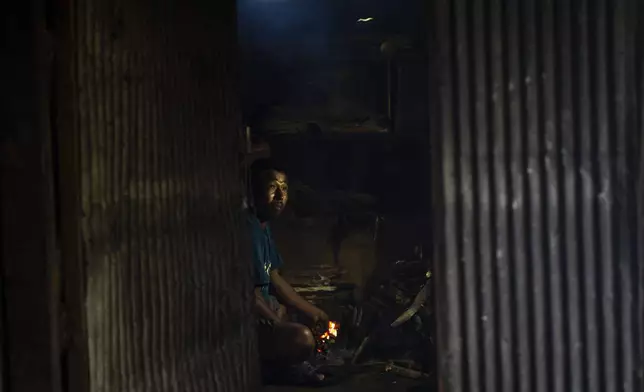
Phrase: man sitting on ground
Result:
[280,342]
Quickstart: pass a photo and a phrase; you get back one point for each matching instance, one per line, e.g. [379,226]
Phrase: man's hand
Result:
[281,313]
[318,315]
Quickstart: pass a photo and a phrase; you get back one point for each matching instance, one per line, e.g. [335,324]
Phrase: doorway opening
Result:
[337,93]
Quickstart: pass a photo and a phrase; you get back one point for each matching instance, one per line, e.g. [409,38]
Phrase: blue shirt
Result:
[265,255]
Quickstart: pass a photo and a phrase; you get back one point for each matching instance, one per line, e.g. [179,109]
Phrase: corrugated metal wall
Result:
[537,144]
[155,114]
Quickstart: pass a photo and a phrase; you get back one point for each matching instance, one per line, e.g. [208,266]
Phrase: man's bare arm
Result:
[263,309]
[292,298]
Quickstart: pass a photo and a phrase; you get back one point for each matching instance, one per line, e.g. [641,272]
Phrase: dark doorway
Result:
[337,93]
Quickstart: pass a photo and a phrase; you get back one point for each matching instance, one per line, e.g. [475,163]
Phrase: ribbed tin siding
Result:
[538,127]
[167,303]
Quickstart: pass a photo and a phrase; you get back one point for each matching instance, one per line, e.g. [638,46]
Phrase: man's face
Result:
[273,195]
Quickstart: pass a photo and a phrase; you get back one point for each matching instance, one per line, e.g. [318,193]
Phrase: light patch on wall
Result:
[365,20]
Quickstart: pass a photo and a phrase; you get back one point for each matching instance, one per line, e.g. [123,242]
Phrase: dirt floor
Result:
[368,382]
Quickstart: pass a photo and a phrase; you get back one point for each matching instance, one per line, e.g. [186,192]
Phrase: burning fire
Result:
[327,338]
[332,332]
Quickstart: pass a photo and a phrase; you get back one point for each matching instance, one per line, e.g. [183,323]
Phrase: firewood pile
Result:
[394,324]
[391,328]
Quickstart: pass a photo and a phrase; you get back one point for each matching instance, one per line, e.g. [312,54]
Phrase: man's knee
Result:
[297,343]
[287,342]
[304,337]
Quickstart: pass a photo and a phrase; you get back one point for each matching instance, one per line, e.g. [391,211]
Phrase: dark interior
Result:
[337,92]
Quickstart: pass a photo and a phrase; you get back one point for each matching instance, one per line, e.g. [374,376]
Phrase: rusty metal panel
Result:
[154,120]
[537,149]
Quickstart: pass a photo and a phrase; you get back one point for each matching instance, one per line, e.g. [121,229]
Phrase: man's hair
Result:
[260,166]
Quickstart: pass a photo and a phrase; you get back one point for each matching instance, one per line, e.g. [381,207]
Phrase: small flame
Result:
[332,331]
